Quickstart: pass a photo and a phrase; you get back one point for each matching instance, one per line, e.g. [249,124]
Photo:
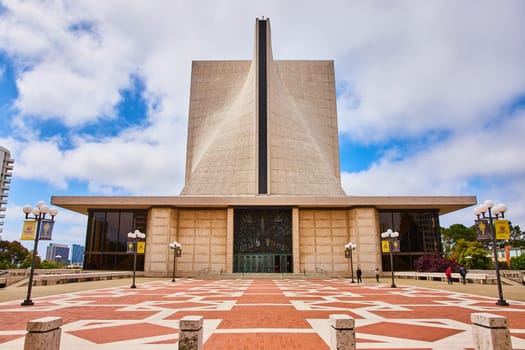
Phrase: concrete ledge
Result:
[483,278]
[45,280]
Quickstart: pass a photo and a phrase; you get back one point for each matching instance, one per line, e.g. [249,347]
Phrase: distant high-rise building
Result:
[77,254]
[6,165]
[57,252]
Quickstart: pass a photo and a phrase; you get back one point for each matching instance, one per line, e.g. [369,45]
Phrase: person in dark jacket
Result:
[463,272]
[359,274]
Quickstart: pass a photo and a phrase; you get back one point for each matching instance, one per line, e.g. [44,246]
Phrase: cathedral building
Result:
[262,186]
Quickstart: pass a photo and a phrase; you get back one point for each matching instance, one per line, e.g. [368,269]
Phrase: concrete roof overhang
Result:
[445,204]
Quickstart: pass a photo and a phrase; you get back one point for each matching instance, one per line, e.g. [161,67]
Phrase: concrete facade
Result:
[262,134]
[302,143]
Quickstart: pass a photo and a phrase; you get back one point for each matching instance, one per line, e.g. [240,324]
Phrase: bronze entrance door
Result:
[262,240]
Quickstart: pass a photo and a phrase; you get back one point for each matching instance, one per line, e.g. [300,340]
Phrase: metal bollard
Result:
[490,332]
[190,333]
[43,334]
[342,332]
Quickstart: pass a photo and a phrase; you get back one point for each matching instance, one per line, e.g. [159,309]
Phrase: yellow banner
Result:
[385,246]
[502,229]
[28,230]
[141,247]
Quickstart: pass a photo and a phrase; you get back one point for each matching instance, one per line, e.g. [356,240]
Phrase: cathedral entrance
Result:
[262,240]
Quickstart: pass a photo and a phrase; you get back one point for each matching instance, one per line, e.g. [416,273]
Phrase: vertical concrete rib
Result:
[263,109]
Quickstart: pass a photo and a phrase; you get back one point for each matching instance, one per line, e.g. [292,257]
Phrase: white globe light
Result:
[40,203]
[44,209]
[36,211]
[477,211]
[395,234]
[27,209]
[488,203]
[502,208]
[53,211]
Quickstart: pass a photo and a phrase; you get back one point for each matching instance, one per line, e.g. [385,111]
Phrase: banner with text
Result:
[28,230]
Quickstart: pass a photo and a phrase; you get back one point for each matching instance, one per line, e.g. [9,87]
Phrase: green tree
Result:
[450,236]
[473,255]
[517,237]
[13,255]
[46,264]
[517,262]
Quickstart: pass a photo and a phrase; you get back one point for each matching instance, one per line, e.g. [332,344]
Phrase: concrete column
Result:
[190,333]
[229,241]
[490,332]
[43,334]
[342,332]
[295,241]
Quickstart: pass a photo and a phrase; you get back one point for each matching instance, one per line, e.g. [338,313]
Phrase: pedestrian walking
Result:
[463,272]
[359,274]
[448,273]
[377,275]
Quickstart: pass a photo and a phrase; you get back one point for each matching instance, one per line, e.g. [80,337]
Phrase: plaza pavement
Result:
[259,314]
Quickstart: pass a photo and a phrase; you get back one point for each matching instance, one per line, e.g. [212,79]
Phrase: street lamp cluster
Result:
[177,251]
[135,237]
[39,215]
[391,236]
[349,247]
[489,211]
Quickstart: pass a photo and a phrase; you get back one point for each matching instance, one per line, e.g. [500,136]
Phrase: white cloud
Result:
[405,69]
[491,156]
[428,67]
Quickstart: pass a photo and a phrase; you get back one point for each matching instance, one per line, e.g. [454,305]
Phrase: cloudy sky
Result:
[94,94]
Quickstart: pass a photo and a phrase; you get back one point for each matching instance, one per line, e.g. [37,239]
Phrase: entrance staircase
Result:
[262,275]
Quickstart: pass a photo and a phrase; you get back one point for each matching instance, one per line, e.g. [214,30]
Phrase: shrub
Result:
[518,262]
[435,263]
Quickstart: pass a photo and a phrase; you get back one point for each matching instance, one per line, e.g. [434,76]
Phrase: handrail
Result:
[205,270]
[323,272]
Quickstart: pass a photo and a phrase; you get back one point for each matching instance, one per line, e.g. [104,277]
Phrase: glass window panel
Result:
[106,239]
[418,234]
[126,226]
[112,223]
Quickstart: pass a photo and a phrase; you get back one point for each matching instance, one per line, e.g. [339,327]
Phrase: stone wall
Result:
[206,235]
[202,234]
[322,236]
[162,226]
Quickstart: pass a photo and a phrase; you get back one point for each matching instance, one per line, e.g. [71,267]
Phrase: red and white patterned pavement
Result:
[259,314]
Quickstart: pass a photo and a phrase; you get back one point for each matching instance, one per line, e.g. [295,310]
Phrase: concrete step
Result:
[254,275]
[509,281]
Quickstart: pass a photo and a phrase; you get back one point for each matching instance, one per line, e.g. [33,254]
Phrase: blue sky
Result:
[94,95]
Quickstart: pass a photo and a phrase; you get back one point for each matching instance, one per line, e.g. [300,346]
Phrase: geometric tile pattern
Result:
[260,314]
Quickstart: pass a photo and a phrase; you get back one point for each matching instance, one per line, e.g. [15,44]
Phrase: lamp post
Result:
[177,251]
[469,259]
[484,212]
[348,254]
[391,236]
[134,236]
[39,214]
